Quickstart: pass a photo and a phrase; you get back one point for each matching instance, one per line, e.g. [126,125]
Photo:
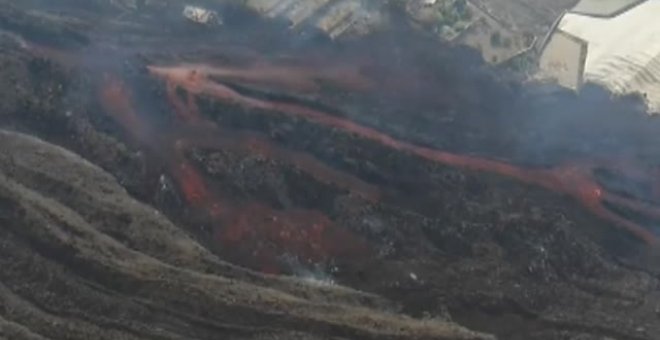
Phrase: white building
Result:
[614,43]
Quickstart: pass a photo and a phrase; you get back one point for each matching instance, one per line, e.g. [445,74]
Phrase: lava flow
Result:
[253,233]
[297,78]
[576,181]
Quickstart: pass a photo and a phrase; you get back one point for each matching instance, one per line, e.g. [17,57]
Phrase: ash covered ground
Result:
[165,180]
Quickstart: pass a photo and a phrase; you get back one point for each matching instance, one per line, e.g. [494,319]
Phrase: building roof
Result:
[334,17]
[564,59]
[603,8]
[622,51]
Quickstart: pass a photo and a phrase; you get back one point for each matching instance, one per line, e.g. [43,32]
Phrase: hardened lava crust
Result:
[166,179]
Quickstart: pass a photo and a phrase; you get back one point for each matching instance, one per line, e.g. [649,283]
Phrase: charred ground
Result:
[83,259]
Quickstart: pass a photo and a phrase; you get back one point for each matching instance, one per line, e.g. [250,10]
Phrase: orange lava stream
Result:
[117,102]
[294,78]
[254,233]
[576,180]
[205,134]
[215,138]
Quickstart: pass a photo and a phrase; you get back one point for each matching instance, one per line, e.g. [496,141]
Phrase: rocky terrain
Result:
[162,179]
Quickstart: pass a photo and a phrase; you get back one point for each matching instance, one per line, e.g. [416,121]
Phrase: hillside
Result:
[162,178]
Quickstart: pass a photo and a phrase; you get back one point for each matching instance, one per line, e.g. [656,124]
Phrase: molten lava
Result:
[257,234]
[254,233]
[576,181]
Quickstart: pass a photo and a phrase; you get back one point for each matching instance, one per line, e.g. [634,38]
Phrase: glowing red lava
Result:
[294,78]
[576,181]
[256,233]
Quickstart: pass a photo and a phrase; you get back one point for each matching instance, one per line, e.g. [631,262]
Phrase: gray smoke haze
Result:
[427,92]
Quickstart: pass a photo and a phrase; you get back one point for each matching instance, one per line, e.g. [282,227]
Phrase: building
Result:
[613,43]
[334,17]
